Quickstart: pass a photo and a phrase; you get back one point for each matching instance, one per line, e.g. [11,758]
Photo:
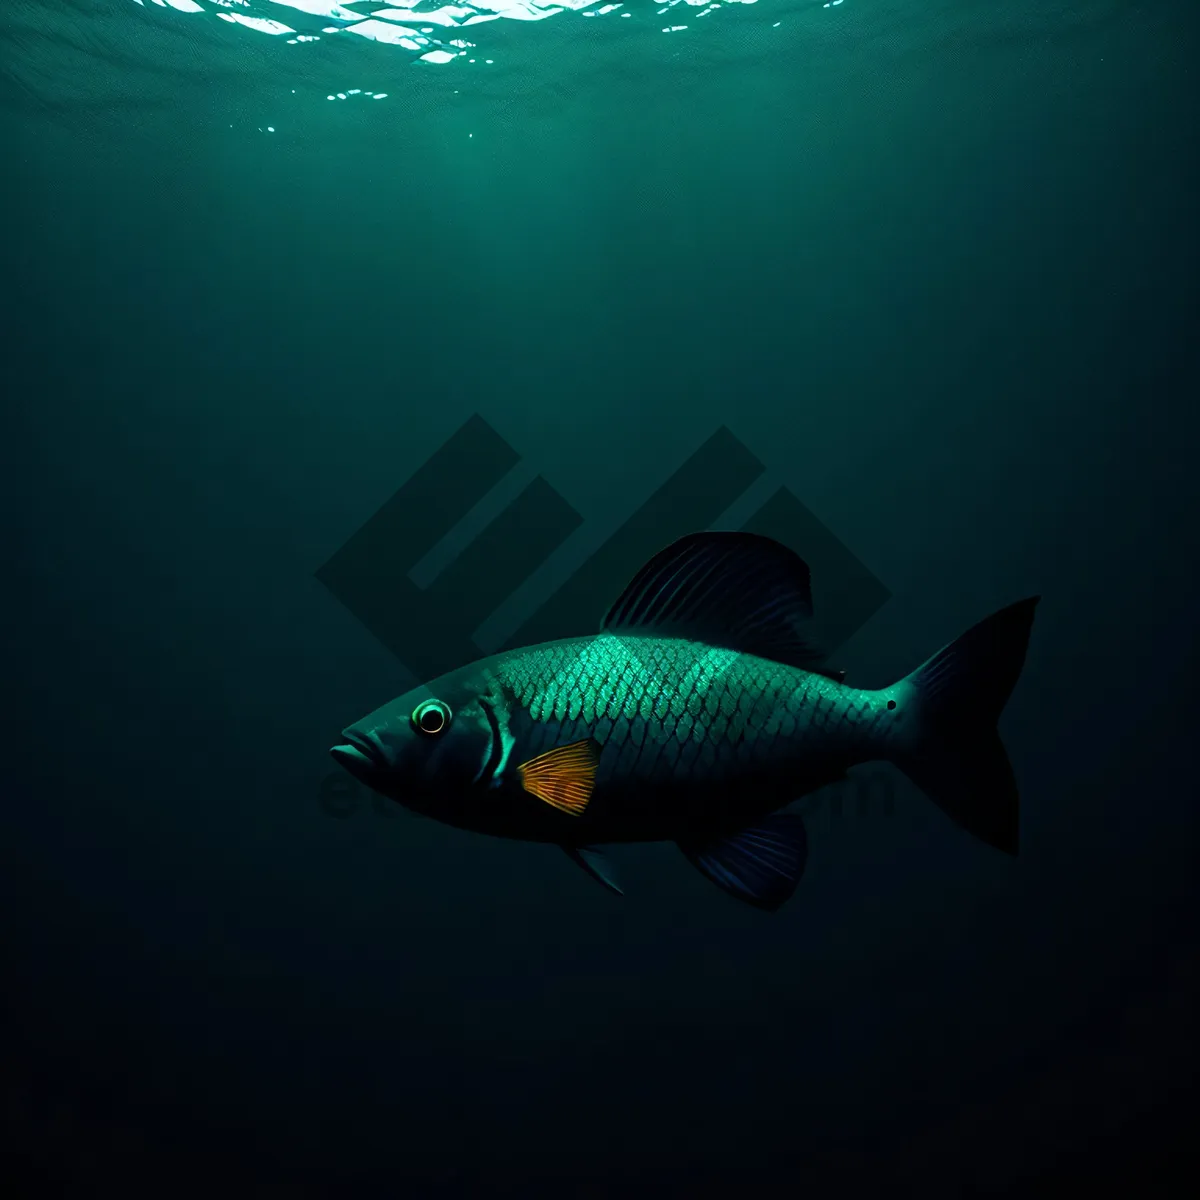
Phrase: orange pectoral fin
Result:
[563,777]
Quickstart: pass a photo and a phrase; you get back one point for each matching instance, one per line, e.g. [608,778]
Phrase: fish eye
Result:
[431,717]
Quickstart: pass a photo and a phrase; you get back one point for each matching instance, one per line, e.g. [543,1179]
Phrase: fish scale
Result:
[673,699]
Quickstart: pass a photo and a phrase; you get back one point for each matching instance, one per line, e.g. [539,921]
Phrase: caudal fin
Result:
[954,754]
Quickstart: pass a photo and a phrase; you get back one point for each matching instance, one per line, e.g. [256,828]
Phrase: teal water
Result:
[932,264]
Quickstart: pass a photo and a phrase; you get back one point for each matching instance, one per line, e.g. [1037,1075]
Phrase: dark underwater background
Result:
[933,265]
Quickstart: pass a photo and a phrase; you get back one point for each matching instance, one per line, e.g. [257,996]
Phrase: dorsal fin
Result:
[740,591]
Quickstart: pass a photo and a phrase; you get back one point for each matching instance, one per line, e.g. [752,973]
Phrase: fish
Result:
[702,708]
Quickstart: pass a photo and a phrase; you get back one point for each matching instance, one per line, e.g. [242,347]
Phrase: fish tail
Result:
[952,749]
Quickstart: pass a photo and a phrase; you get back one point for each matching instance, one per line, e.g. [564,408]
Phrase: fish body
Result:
[693,736]
[698,712]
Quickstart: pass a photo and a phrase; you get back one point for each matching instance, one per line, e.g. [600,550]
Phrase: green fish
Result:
[701,708]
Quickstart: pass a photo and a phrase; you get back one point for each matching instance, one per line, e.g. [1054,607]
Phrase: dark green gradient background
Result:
[934,263]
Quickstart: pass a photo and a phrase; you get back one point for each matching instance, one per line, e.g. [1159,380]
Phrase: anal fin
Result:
[761,865]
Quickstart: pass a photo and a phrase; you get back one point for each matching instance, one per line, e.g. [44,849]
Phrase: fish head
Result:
[432,749]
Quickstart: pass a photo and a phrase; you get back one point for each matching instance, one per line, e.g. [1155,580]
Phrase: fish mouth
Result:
[360,755]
